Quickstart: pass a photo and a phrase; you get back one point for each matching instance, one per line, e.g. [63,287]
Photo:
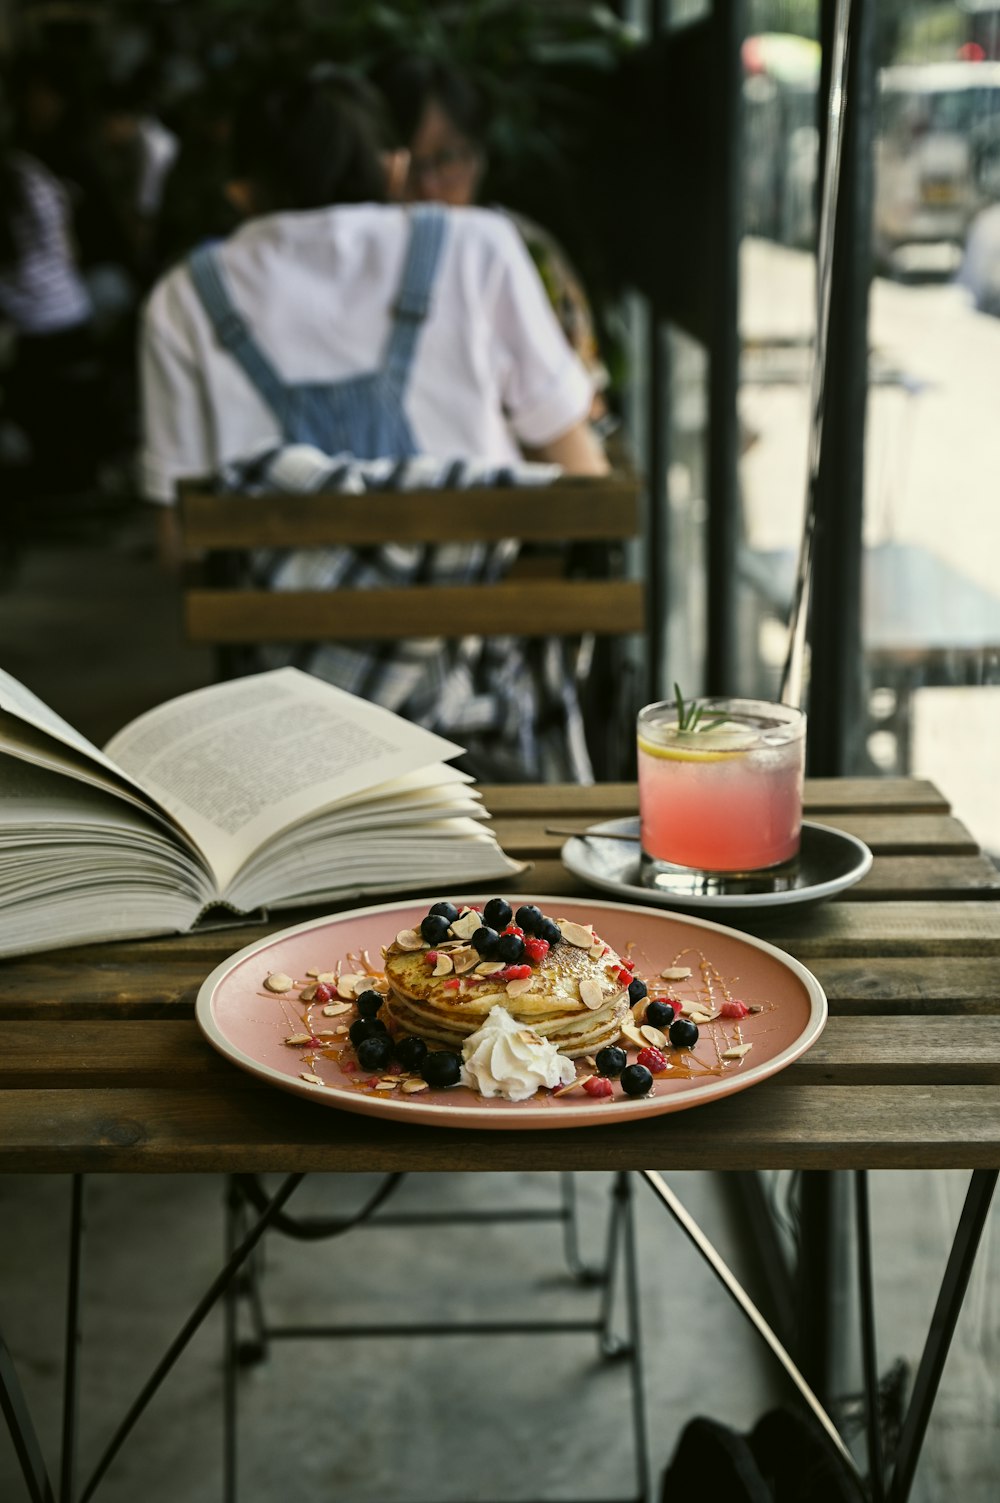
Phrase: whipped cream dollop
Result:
[504,1058]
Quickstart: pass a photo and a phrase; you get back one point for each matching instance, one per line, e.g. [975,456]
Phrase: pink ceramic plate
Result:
[249,1024]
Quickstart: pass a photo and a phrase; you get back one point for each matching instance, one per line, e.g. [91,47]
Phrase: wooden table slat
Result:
[851,1050]
[783,1123]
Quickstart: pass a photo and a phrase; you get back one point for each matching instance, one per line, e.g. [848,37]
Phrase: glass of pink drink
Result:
[725,796]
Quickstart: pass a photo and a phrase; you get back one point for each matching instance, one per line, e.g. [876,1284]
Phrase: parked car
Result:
[927,177]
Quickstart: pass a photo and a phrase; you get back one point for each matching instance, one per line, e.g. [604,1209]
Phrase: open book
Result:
[264,792]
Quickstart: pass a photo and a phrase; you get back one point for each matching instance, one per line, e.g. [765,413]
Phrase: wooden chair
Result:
[595,516]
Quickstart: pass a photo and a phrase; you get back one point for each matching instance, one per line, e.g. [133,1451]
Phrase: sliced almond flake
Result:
[518,987]
[277,981]
[654,1036]
[307,993]
[298,1038]
[443,965]
[328,978]
[591,994]
[324,1033]
[334,1009]
[573,1085]
[465,926]
[313,973]
[700,1017]
[312,1079]
[391,1080]
[596,951]
[489,967]
[347,986]
[412,1086]
[676,973]
[577,934]
[411,939]
[631,1032]
[756,1007]
[464,959]
[385,1085]
[737,1051]
[342,1029]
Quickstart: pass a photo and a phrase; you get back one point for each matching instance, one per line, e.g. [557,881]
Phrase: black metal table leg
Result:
[67,1477]
[869,1349]
[22,1430]
[946,1312]
[221,1281]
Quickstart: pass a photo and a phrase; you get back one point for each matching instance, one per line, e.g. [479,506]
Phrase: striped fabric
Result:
[43,292]
[511,703]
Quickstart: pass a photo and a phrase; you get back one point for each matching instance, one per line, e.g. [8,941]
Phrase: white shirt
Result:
[492,366]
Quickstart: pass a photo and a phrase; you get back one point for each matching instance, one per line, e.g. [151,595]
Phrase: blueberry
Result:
[434,928]
[369,1004]
[636,991]
[442,1068]
[660,1014]
[611,1061]
[444,910]
[683,1033]
[549,930]
[374,1053]
[528,918]
[636,1080]
[497,913]
[510,948]
[485,942]
[366,1028]
[411,1052]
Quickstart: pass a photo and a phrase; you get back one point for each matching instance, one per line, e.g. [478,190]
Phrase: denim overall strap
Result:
[429,223]
[232,332]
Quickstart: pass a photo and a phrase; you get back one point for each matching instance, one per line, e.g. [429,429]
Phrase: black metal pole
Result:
[722,626]
[657,562]
[836,669]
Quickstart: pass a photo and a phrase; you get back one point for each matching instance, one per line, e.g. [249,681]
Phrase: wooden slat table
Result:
[103,1069]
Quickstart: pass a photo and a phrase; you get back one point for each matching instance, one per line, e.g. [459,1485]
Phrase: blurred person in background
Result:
[439,113]
[292,329]
[335,323]
[49,392]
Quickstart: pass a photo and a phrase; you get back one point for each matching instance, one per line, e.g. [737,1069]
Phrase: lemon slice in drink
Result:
[716,743]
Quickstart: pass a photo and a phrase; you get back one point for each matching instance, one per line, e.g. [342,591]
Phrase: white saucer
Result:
[829,861]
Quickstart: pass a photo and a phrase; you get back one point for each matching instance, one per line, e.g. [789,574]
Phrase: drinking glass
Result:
[720,791]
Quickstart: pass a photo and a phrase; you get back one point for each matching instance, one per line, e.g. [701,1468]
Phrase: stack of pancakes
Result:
[549,1002]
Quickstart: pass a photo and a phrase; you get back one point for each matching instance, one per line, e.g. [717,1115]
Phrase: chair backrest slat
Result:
[221,608]
[569,510]
[529,608]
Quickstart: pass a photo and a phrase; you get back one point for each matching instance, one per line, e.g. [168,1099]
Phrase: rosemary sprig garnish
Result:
[691,717]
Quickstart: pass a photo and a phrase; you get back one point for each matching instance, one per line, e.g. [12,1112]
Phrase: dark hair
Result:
[313,142]
[409,84]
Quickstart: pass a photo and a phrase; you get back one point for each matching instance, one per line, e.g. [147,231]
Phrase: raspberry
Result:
[431,957]
[323,993]
[654,1061]
[512,973]
[453,983]
[623,975]
[513,929]
[598,1085]
[536,950]
[733,1009]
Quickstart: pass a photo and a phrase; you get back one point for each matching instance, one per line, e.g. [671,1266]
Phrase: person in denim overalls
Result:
[359,415]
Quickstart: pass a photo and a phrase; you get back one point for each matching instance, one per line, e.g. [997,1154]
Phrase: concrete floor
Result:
[92,625]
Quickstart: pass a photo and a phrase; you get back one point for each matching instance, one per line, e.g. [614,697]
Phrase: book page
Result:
[18,701]
[238,762]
